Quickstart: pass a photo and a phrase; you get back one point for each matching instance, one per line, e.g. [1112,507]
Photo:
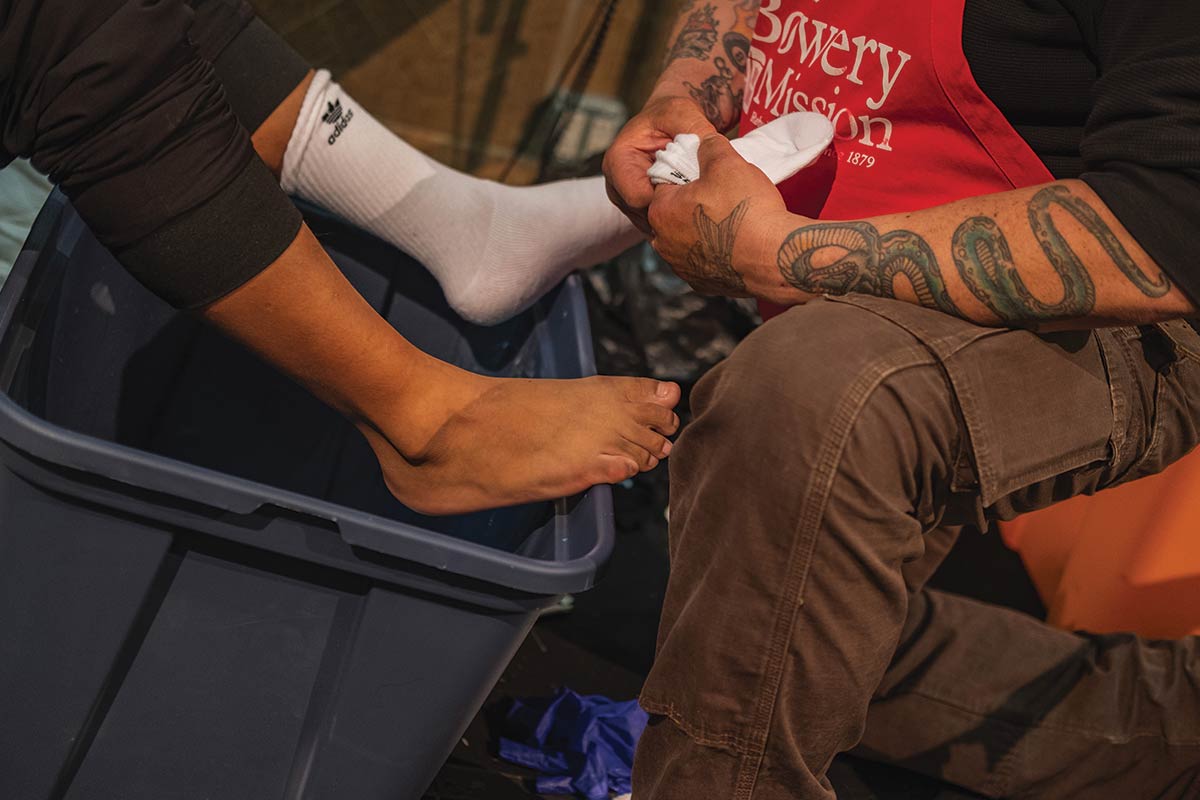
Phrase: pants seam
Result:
[1111,357]
[1155,438]
[804,543]
[732,744]
[1056,727]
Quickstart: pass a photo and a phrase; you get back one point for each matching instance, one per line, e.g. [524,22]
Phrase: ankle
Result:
[412,416]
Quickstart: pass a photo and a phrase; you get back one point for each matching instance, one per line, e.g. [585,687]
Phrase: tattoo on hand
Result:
[716,96]
[710,261]
[841,257]
[698,37]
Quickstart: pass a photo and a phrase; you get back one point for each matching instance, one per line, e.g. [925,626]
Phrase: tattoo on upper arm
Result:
[841,257]
[710,259]
[698,37]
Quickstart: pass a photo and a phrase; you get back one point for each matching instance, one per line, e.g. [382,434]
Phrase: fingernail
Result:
[666,451]
[664,390]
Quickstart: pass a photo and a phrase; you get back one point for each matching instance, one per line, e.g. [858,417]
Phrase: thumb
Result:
[715,150]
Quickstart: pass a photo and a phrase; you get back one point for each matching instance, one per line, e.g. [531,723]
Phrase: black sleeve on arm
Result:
[1142,141]
[113,102]
[255,65]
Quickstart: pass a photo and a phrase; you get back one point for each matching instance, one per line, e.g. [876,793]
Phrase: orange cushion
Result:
[1126,559]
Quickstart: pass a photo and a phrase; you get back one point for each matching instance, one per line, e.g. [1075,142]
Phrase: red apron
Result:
[912,129]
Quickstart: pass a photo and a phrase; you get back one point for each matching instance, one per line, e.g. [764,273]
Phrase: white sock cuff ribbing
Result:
[336,156]
[301,136]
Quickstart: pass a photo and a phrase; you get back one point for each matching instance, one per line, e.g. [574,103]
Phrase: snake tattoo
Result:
[841,257]
[868,262]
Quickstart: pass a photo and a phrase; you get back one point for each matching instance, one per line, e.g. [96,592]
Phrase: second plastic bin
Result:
[205,589]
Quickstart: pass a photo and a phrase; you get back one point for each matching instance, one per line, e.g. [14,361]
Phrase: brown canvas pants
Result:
[833,458]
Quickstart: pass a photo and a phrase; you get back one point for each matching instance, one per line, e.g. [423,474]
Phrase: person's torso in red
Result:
[912,128]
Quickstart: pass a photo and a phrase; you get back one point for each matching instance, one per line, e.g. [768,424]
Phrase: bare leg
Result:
[448,440]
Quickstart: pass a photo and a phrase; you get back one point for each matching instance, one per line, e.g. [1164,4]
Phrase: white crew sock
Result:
[781,148]
[494,249]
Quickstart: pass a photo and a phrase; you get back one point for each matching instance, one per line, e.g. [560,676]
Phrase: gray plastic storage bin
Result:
[205,589]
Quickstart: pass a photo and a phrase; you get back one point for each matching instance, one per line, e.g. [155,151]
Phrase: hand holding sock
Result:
[781,148]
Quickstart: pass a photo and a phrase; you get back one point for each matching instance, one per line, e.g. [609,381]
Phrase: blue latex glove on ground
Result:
[581,744]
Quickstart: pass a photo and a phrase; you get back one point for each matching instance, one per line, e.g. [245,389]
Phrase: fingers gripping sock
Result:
[678,162]
[494,249]
[781,148]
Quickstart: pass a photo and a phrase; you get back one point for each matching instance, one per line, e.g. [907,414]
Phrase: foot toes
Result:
[661,419]
[647,443]
[615,469]
[644,458]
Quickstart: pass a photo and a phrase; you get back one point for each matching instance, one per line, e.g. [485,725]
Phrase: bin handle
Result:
[416,544]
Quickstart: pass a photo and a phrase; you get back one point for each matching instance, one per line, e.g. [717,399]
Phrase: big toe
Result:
[648,390]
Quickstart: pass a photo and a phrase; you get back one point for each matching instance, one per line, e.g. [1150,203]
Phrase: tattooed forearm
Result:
[710,261]
[844,257]
[984,260]
[841,257]
[716,96]
[716,81]
[698,37]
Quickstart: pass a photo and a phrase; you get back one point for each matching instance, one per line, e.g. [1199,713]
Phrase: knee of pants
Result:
[788,380]
[827,389]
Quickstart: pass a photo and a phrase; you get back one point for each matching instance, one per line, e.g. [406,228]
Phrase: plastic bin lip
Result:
[128,466]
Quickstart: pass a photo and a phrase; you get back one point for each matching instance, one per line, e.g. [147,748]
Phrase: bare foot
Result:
[469,443]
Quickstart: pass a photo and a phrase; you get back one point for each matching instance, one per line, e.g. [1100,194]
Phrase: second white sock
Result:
[781,148]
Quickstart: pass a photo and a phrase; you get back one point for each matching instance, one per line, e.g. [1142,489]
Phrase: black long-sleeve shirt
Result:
[113,101]
[1107,91]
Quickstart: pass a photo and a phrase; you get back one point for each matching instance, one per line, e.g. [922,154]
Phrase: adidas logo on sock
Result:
[333,116]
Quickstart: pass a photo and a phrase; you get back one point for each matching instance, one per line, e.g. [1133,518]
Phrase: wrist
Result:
[670,94]
[764,278]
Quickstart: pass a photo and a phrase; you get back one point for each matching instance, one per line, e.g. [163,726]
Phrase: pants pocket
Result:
[1033,406]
